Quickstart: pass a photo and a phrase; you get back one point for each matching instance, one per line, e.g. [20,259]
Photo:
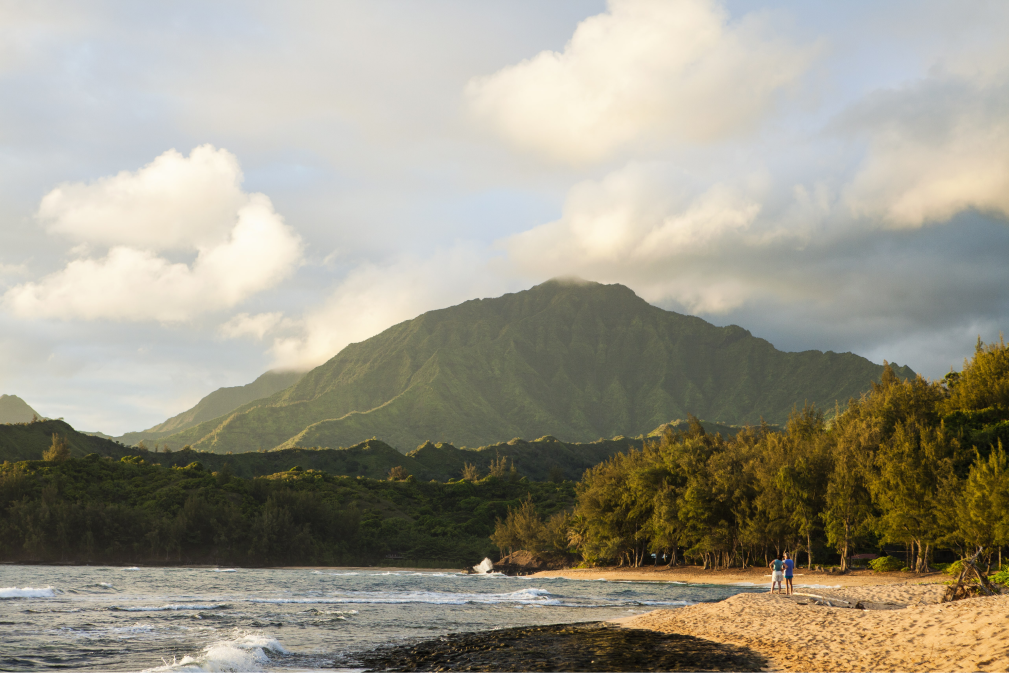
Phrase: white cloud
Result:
[173,203]
[642,225]
[254,326]
[242,245]
[935,149]
[375,297]
[642,71]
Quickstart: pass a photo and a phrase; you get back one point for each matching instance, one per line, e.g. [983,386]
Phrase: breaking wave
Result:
[27,592]
[246,652]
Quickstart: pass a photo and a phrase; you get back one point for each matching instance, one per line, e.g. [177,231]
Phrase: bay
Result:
[282,619]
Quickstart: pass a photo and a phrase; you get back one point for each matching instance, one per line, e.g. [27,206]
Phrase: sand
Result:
[904,629]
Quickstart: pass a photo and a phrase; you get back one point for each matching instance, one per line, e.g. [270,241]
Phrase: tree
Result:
[522,528]
[983,518]
[398,473]
[915,479]
[847,505]
[803,478]
[59,451]
[470,472]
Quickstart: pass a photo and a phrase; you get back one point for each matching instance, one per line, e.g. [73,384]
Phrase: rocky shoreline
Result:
[593,646]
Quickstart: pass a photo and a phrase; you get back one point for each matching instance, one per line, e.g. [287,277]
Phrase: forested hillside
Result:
[96,510]
[577,361]
[542,459]
[913,464]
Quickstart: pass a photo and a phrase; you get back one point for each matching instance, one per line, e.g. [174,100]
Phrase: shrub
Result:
[954,568]
[59,452]
[886,564]
[1001,577]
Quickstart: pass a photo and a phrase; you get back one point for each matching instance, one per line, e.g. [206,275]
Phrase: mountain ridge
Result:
[218,403]
[575,360]
[13,409]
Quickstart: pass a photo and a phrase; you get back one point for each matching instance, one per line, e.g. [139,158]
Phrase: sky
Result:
[193,193]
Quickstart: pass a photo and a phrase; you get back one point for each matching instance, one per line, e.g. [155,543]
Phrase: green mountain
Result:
[576,360]
[13,409]
[218,403]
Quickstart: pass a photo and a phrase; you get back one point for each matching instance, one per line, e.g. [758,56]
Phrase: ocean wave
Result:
[27,592]
[223,570]
[246,652]
[531,596]
[165,608]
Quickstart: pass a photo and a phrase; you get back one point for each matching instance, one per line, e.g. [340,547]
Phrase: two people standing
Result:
[782,570]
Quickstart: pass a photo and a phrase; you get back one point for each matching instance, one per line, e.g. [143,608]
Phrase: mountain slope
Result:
[218,403]
[13,409]
[574,360]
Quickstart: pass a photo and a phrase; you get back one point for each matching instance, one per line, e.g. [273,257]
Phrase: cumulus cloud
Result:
[175,202]
[644,224]
[641,71]
[935,149]
[192,204]
[374,297]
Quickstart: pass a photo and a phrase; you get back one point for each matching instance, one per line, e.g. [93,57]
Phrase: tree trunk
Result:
[809,550]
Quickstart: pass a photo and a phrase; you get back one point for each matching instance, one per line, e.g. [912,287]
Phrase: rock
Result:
[524,562]
[562,647]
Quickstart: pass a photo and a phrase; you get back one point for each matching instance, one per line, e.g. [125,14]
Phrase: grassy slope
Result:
[218,403]
[575,361]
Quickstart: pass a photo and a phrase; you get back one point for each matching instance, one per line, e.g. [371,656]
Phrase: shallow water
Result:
[199,619]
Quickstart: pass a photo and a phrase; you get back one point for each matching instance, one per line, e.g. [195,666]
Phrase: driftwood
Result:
[964,587]
[831,602]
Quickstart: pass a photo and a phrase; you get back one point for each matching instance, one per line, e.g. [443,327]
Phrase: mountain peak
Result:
[569,358]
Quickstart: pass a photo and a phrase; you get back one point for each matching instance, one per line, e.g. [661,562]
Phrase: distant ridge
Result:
[218,403]
[577,360]
[541,459]
[13,409]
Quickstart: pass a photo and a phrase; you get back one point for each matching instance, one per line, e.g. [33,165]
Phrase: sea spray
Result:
[246,652]
[484,567]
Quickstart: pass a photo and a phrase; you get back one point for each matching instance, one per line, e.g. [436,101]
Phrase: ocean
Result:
[238,619]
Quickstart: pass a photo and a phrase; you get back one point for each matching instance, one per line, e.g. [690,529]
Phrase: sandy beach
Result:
[904,627]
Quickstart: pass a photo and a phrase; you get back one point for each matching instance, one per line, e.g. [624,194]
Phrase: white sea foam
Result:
[224,570]
[164,608]
[133,568]
[245,652]
[27,592]
[484,566]
[531,596]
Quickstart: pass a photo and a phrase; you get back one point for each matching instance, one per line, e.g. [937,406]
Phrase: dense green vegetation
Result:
[577,361]
[218,403]
[541,460]
[98,510]
[912,463]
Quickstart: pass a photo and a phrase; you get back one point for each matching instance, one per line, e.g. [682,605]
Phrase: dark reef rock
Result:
[563,647]
[524,562]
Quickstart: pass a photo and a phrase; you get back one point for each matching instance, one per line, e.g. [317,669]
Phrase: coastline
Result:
[904,628]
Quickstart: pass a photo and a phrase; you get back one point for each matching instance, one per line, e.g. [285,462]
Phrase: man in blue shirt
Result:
[789,567]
